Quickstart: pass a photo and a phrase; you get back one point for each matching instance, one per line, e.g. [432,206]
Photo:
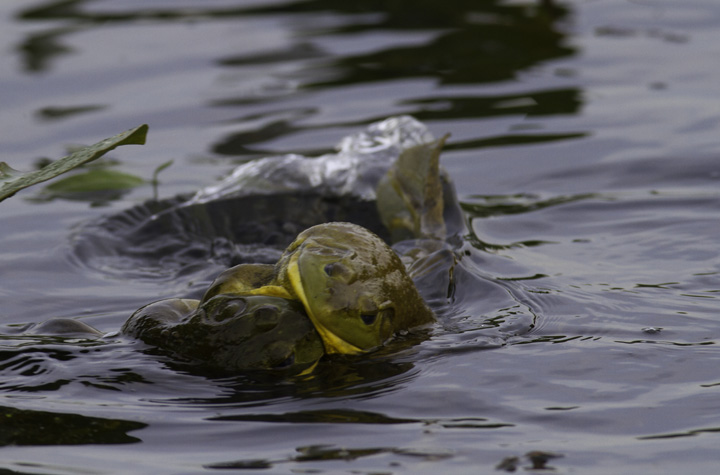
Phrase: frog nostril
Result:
[340,272]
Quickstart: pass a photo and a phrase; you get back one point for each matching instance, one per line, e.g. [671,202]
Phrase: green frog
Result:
[231,332]
[354,288]
[226,333]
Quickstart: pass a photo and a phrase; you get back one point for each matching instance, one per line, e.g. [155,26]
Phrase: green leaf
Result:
[99,179]
[15,181]
[96,185]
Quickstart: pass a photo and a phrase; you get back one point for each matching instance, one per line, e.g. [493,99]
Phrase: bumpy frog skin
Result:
[231,332]
[354,287]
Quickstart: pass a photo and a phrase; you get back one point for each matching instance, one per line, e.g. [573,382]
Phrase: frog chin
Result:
[335,344]
[332,342]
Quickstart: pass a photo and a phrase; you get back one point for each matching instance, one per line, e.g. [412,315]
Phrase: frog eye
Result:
[368,318]
[287,362]
[226,310]
[340,272]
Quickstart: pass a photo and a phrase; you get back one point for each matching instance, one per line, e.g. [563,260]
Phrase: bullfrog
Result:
[231,332]
[354,288]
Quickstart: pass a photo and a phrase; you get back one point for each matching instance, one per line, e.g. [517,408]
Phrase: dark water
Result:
[584,147]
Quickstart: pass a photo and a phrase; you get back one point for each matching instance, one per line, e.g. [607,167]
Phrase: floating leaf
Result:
[50,113]
[97,186]
[95,180]
[15,181]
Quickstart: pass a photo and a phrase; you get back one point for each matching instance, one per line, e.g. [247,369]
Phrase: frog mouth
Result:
[332,342]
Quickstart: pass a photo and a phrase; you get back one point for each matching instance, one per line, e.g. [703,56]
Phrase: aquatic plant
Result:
[14,180]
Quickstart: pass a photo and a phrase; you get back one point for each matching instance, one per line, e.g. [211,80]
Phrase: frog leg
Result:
[410,196]
[246,279]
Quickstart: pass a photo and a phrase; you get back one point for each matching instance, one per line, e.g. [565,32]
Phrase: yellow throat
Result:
[332,342]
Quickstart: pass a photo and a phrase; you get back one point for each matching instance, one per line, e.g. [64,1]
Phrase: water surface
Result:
[584,148]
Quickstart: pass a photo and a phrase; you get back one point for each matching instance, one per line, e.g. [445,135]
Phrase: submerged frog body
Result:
[231,332]
[226,333]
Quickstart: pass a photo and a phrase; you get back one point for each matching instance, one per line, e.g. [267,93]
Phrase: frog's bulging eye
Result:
[266,317]
[226,310]
[368,318]
[289,361]
[340,272]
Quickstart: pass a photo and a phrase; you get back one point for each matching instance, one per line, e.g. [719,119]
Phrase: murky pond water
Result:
[585,150]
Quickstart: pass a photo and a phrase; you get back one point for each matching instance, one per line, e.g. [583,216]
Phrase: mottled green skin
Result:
[231,332]
[354,287]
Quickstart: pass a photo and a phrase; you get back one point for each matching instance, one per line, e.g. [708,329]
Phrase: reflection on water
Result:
[584,146]
[473,43]
[40,364]
[22,427]
[464,42]
[329,452]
